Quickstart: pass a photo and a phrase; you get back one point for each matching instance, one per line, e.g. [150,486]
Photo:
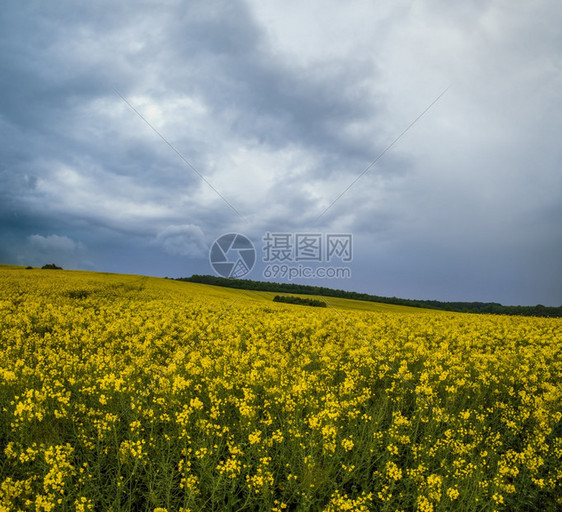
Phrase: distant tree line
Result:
[462,307]
[289,299]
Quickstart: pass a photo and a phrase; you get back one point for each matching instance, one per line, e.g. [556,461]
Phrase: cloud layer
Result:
[280,106]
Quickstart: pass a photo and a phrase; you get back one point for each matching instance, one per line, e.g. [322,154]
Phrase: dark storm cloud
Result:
[221,55]
[63,59]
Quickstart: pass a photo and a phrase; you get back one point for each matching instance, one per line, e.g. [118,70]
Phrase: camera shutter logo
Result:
[232,255]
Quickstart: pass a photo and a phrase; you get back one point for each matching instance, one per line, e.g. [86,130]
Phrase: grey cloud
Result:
[57,249]
[183,240]
[53,243]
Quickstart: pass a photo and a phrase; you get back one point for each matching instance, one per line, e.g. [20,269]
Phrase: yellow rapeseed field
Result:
[142,394]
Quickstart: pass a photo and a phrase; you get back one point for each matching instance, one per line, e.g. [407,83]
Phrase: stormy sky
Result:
[136,133]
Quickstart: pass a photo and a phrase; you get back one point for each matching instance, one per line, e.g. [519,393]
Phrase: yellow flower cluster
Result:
[125,392]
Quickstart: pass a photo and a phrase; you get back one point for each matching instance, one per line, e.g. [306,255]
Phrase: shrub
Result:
[289,299]
[51,266]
